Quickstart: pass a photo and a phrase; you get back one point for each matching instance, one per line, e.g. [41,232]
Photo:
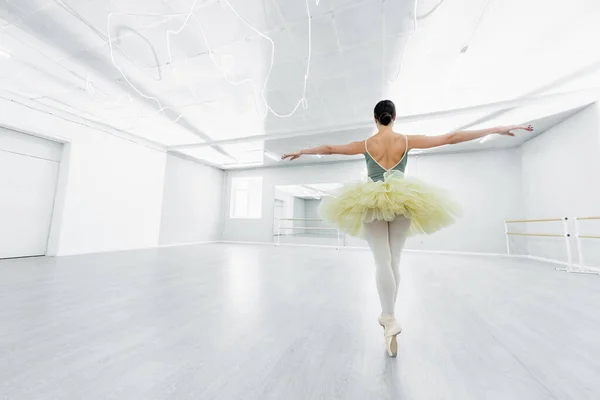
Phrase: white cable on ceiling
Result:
[406,43]
[466,44]
[302,102]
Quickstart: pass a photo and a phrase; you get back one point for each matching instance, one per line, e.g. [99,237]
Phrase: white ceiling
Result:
[237,68]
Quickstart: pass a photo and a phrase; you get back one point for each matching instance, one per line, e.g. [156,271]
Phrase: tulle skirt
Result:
[428,207]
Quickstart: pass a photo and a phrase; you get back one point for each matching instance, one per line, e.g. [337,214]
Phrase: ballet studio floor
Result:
[225,321]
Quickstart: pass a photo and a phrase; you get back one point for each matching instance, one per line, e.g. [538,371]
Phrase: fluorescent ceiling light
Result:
[271,156]
[246,153]
[243,165]
[4,54]
[209,155]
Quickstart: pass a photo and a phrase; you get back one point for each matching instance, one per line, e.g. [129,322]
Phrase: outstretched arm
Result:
[345,149]
[427,142]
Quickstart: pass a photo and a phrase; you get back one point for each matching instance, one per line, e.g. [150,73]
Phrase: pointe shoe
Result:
[391,329]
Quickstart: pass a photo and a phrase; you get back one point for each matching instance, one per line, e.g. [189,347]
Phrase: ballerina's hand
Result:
[291,156]
[506,130]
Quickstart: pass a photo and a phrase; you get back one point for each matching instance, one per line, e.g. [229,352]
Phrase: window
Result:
[246,197]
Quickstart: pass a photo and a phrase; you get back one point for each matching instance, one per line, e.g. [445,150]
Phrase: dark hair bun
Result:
[385,112]
[385,118]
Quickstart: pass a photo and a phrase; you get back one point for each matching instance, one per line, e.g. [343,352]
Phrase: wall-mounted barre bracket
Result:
[582,269]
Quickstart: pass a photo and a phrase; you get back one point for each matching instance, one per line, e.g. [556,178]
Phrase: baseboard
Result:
[546,260]
[94,252]
[280,244]
[444,252]
[85,253]
[246,242]
[187,244]
[458,253]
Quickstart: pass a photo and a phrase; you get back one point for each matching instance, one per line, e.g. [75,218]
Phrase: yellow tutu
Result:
[429,208]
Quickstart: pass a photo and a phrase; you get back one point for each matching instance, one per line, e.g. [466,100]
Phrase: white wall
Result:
[487,184]
[192,202]
[561,175]
[110,189]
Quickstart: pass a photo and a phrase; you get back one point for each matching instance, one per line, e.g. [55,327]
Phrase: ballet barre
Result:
[534,234]
[566,235]
[586,218]
[300,219]
[312,228]
[582,269]
[536,220]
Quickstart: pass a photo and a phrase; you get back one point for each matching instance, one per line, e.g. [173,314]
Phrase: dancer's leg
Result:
[377,237]
[398,232]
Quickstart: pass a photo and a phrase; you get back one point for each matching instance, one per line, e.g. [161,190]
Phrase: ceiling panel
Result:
[334,87]
[232,61]
[323,34]
[295,11]
[13,11]
[360,23]
[398,17]
[145,49]
[200,73]
[365,58]
[288,49]
[342,4]
[214,17]
[327,66]
[55,26]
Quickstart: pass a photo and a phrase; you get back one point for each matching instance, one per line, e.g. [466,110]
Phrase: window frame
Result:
[253,187]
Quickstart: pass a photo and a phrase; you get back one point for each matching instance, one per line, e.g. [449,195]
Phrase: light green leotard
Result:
[376,171]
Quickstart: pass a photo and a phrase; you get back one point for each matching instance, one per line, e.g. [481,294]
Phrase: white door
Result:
[28,174]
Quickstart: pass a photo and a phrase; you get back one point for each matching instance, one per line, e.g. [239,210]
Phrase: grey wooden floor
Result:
[230,321]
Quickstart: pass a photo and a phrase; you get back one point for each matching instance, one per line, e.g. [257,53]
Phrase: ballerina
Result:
[389,206]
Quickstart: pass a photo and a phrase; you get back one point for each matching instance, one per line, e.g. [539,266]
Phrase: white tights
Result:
[386,240]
